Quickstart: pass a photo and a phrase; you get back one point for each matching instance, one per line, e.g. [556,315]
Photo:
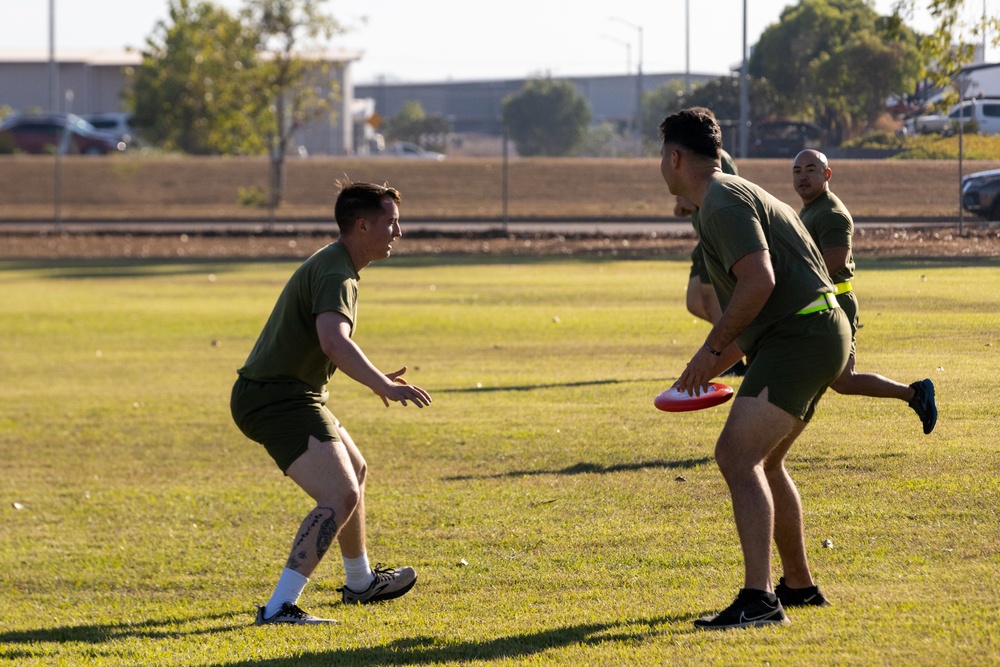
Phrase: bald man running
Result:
[830,224]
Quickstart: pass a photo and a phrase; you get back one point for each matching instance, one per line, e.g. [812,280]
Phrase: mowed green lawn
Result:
[553,514]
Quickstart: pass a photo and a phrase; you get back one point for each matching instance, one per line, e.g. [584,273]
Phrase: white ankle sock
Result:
[359,573]
[289,588]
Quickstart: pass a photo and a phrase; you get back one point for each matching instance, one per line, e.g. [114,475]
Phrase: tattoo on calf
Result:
[327,531]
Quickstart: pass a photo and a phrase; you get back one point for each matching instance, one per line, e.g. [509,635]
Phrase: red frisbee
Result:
[673,400]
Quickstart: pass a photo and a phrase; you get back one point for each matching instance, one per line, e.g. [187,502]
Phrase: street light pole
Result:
[744,93]
[53,68]
[638,100]
[638,88]
[628,52]
[687,47]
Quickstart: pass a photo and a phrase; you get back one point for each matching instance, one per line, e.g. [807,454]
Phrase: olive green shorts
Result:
[849,303]
[797,359]
[698,266]
[281,416]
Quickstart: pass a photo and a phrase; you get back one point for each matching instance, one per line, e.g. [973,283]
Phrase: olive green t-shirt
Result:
[728,167]
[288,348]
[737,218]
[830,225]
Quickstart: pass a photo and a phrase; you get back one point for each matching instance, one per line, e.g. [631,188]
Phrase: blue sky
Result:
[439,40]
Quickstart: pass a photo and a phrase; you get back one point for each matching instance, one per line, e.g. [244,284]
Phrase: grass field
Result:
[140,528]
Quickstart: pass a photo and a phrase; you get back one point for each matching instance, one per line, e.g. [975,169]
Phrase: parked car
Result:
[981,194]
[407,149]
[984,111]
[116,123]
[783,138]
[56,133]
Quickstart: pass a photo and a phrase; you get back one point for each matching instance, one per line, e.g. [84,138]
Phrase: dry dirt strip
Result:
[926,241]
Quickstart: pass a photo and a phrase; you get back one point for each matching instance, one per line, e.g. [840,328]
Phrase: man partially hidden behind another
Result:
[778,309]
[280,400]
[830,224]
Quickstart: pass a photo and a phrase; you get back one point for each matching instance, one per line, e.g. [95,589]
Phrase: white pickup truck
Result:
[406,149]
[985,111]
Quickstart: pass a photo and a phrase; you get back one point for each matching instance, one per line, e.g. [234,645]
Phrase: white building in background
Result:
[92,82]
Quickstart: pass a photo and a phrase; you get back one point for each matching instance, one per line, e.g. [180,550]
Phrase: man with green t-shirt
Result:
[279,400]
[779,310]
[701,299]
[831,226]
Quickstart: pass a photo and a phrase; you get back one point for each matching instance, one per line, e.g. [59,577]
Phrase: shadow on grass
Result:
[106,632]
[533,387]
[424,650]
[130,267]
[584,468]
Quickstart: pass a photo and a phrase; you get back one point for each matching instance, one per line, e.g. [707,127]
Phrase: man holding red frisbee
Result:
[779,310]
[831,226]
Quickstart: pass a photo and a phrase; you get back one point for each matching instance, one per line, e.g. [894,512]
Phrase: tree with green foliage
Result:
[659,103]
[412,123]
[546,117]
[286,80]
[211,83]
[836,62]
[190,93]
[949,47]
[721,95]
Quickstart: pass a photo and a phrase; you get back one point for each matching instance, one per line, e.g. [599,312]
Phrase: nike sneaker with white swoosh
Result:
[752,608]
[800,597]
[389,583]
[923,403]
[289,614]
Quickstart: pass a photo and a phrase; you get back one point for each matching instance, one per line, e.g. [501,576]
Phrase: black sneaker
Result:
[751,608]
[388,584]
[290,614]
[800,597]
[923,403]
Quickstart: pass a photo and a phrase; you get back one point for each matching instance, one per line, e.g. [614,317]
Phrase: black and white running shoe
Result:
[751,609]
[389,583]
[289,614]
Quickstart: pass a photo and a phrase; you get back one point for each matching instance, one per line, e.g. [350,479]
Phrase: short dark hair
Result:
[694,128]
[358,200]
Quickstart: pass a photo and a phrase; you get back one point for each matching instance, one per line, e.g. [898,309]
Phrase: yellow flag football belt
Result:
[825,301]
[843,288]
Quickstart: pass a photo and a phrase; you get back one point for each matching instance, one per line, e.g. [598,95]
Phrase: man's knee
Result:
[731,457]
[343,498]
[774,468]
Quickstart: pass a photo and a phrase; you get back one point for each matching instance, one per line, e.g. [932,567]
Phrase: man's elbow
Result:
[333,349]
[766,284]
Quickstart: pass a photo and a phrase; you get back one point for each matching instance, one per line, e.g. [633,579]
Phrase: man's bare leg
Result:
[353,531]
[789,533]
[869,384]
[326,472]
[753,430]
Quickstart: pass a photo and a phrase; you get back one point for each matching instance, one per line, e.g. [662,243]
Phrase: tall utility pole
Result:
[744,93]
[687,47]
[638,89]
[638,100]
[53,67]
